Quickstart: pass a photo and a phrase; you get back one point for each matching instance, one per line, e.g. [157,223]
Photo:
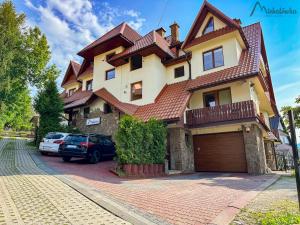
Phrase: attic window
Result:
[136,62]
[209,26]
[71,91]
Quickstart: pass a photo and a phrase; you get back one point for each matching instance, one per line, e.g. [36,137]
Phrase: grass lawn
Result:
[277,205]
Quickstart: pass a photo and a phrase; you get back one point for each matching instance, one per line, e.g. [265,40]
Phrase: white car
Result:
[51,142]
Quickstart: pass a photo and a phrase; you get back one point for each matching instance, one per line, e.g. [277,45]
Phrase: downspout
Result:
[189,62]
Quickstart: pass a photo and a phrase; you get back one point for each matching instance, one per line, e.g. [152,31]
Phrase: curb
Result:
[229,213]
[95,196]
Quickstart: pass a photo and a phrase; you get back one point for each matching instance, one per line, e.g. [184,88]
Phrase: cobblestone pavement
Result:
[28,195]
[187,199]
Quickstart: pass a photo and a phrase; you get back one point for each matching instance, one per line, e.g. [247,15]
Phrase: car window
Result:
[49,136]
[105,141]
[76,138]
[93,139]
[57,136]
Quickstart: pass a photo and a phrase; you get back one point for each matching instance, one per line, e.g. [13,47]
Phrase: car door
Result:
[108,146]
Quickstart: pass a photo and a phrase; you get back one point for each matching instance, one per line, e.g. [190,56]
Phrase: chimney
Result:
[174,33]
[238,21]
[161,31]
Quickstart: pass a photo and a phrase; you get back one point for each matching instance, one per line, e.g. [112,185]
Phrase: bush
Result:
[139,142]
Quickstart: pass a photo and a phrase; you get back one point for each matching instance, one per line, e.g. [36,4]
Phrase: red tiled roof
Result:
[150,39]
[123,29]
[108,97]
[248,64]
[169,105]
[79,94]
[76,67]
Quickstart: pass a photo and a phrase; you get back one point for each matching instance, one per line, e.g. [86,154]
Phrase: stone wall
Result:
[255,151]
[107,126]
[181,149]
[270,155]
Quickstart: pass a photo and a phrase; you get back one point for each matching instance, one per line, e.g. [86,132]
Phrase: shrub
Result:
[139,142]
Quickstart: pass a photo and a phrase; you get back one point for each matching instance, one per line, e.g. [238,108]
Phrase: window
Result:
[213,58]
[86,112]
[71,91]
[209,26]
[109,56]
[107,108]
[179,72]
[214,98]
[136,90]
[110,74]
[89,85]
[136,62]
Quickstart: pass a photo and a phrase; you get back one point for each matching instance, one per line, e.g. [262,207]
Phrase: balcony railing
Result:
[223,113]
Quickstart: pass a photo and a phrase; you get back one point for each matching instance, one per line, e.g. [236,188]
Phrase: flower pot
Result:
[151,169]
[146,169]
[134,170]
[155,169]
[140,170]
[127,169]
[161,169]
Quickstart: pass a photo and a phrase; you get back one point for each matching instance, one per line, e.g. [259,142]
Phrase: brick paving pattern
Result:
[28,195]
[187,199]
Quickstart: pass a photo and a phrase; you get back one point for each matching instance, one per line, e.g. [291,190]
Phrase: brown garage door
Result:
[223,152]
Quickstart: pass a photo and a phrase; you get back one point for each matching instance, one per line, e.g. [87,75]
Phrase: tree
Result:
[296,110]
[24,54]
[49,105]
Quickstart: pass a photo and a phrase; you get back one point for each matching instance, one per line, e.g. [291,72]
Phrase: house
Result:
[283,147]
[213,90]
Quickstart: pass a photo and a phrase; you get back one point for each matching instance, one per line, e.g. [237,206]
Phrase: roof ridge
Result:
[123,27]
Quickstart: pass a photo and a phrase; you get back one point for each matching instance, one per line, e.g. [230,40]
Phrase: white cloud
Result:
[72,24]
[288,86]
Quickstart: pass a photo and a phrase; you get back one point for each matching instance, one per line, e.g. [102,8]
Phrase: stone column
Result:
[270,155]
[181,149]
[255,151]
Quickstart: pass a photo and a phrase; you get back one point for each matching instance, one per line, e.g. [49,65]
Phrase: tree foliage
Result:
[139,142]
[49,105]
[24,54]
[296,111]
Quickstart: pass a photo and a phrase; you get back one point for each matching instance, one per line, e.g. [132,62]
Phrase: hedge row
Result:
[141,143]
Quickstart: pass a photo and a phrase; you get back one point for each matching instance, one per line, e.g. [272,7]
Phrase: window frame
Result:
[132,69]
[213,22]
[131,94]
[213,58]
[216,94]
[107,106]
[87,84]
[177,68]
[107,71]
[86,114]
[71,90]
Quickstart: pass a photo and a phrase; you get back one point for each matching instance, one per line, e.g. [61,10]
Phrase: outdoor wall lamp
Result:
[247,129]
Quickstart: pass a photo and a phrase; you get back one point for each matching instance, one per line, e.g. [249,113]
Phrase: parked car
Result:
[93,147]
[51,142]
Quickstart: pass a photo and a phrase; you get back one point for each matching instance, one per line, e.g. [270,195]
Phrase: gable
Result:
[223,24]
[71,73]
[218,24]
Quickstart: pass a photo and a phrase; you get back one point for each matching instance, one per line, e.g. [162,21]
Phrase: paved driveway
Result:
[28,195]
[190,199]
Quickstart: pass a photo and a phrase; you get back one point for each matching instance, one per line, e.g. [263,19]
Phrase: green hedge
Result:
[141,143]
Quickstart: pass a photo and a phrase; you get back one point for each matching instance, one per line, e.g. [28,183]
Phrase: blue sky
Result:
[71,24]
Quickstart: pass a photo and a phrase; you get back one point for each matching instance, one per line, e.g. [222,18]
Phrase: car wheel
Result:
[66,158]
[95,157]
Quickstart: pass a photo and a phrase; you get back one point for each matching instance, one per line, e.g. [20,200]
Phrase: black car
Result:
[93,147]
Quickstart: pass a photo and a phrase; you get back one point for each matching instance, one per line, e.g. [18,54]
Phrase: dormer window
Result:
[89,85]
[71,91]
[209,26]
[213,58]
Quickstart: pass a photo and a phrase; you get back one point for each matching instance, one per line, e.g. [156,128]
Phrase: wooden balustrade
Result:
[229,112]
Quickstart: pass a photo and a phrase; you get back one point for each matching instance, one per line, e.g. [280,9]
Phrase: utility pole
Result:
[295,151]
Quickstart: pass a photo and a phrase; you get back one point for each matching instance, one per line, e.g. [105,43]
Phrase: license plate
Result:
[71,146]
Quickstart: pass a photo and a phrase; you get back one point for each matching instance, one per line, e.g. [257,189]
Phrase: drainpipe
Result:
[190,65]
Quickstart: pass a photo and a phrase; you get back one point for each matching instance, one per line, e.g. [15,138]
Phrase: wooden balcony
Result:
[239,111]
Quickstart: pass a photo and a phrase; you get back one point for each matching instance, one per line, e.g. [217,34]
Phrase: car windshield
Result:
[76,138]
[54,136]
